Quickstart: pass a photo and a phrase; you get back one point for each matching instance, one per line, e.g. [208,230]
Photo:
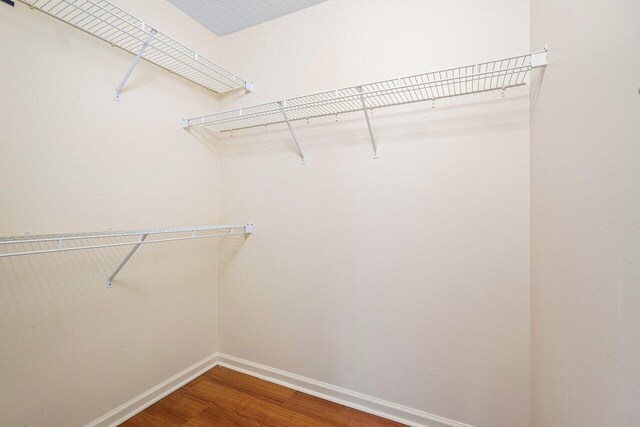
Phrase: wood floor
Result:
[222,397]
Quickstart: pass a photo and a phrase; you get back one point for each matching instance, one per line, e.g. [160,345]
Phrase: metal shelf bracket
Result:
[134,63]
[539,59]
[283,104]
[124,261]
[366,116]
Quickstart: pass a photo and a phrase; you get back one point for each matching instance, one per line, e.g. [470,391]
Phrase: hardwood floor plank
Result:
[246,383]
[330,413]
[320,409]
[218,394]
[143,419]
[362,419]
[213,416]
[176,409]
[223,397]
[273,414]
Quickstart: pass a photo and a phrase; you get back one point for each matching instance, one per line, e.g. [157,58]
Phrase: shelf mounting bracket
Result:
[124,261]
[134,63]
[366,116]
[539,59]
[293,135]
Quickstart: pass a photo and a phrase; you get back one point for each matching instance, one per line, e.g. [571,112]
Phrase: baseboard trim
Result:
[151,396]
[342,396]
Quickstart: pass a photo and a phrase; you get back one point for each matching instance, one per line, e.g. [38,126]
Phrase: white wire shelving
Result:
[119,28]
[52,243]
[500,74]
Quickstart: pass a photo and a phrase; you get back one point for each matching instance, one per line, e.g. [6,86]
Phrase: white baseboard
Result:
[151,396]
[342,396]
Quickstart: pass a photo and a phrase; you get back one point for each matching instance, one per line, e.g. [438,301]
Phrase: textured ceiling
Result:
[228,16]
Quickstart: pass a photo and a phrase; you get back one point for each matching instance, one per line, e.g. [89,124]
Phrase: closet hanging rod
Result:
[119,28]
[500,74]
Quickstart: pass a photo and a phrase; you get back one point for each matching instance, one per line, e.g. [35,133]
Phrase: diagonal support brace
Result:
[133,64]
[293,135]
[366,116]
[124,261]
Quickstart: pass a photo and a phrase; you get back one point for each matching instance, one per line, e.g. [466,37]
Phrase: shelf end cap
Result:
[539,59]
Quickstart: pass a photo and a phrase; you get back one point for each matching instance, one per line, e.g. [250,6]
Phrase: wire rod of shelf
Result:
[114,25]
[51,243]
[500,74]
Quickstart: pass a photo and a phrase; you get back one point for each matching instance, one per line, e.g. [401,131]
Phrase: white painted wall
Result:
[75,160]
[585,169]
[405,278]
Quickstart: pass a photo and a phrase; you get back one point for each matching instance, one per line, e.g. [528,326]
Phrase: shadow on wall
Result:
[536,86]
[207,137]
[450,118]
[229,247]
[32,286]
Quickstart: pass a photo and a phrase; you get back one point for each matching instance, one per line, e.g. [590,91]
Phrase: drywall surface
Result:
[405,278]
[75,160]
[585,169]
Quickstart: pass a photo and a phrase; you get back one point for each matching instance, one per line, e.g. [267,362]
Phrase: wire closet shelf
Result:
[114,25]
[52,243]
[48,243]
[500,74]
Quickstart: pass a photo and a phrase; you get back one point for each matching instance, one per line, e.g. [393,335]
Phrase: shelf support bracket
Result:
[539,59]
[124,261]
[133,64]
[293,135]
[366,116]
